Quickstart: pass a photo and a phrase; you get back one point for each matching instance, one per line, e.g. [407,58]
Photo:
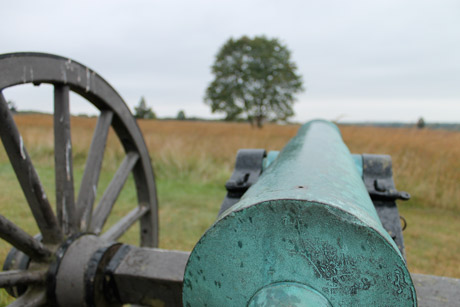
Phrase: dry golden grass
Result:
[426,163]
[202,148]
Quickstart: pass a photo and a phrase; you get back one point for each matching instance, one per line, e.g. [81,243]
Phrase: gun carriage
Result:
[311,225]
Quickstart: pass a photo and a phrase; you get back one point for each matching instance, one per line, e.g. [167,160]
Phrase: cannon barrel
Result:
[306,233]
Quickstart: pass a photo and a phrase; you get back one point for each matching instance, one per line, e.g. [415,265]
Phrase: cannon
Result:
[312,225]
[305,231]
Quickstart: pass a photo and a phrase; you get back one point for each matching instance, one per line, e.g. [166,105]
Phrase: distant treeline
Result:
[443,126]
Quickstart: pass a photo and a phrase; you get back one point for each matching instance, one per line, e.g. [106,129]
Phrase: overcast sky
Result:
[361,60]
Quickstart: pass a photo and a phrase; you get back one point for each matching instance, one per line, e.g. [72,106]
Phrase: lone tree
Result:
[12,106]
[421,123]
[142,111]
[181,115]
[254,77]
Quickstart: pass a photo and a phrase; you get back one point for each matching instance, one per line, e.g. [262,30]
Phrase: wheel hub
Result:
[74,270]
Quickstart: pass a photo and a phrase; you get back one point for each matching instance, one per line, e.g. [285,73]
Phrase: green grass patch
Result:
[187,206]
[431,240]
[187,209]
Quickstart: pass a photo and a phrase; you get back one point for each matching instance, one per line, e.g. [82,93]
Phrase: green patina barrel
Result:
[306,234]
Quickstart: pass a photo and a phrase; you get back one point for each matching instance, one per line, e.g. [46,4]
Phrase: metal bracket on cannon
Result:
[248,167]
[378,178]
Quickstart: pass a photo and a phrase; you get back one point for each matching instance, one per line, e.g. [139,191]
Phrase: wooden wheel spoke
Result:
[34,298]
[22,240]
[17,277]
[102,211]
[65,203]
[117,230]
[27,176]
[88,187]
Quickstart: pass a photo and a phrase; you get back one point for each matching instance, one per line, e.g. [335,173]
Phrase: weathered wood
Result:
[22,240]
[66,74]
[27,176]
[65,201]
[88,187]
[149,275]
[436,291]
[21,68]
[16,277]
[32,298]
[117,230]
[102,211]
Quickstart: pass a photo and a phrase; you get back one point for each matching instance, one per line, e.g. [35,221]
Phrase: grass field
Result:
[192,161]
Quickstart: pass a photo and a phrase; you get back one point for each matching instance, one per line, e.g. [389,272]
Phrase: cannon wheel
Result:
[74,214]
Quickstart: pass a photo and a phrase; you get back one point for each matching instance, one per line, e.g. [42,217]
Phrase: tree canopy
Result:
[12,106]
[254,77]
[181,115]
[143,111]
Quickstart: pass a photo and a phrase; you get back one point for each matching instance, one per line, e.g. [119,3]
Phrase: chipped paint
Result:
[78,76]
[93,80]
[68,151]
[88,80]
[64,74]
[24,74]
[68,64]
[65,217]
[21,148]
[31,74]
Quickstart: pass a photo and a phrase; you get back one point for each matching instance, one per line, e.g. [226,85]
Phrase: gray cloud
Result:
[369,60]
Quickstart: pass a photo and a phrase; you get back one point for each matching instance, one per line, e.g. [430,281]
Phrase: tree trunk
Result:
[251,121]
[259,121]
